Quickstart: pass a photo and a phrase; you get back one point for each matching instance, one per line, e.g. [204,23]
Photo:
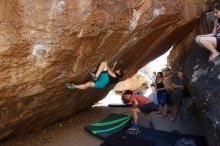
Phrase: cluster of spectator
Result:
[177,90]
[140,103]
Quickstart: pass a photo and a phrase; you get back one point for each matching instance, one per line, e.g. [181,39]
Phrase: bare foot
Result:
[213,56]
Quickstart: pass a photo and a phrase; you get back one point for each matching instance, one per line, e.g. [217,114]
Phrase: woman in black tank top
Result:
[161,94]
[160,85]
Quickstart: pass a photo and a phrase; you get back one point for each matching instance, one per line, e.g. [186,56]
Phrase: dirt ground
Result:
[70,132]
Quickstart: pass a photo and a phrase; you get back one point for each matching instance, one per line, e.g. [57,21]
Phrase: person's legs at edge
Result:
[211,44]
[197,39]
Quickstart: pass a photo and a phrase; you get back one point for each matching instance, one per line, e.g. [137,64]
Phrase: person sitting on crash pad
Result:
[103,77]
[139,104]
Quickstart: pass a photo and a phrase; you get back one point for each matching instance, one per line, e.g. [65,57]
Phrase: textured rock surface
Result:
[137,81]
[46,43]
[203,78]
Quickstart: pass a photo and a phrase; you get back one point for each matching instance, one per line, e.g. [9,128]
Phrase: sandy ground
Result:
[70,132]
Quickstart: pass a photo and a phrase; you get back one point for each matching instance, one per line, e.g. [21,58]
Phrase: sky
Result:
[159,63]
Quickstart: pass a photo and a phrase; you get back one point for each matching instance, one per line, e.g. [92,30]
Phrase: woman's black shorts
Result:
[218,44]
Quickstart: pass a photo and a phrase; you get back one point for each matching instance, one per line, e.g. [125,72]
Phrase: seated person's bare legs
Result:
[209,43]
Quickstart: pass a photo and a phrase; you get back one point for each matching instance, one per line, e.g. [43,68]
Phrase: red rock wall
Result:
[44,44]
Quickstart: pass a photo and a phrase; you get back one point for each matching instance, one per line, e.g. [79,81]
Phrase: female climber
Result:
[103,77]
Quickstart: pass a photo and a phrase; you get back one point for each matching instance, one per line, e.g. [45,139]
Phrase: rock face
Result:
[136,82]
[46,43]
[203,77]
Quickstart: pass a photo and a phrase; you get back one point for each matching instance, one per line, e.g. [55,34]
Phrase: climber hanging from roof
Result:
[212,41]
[103,77]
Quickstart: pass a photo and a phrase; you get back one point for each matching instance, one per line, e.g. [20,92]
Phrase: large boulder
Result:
[138,81]
[203,77]
[47,43]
